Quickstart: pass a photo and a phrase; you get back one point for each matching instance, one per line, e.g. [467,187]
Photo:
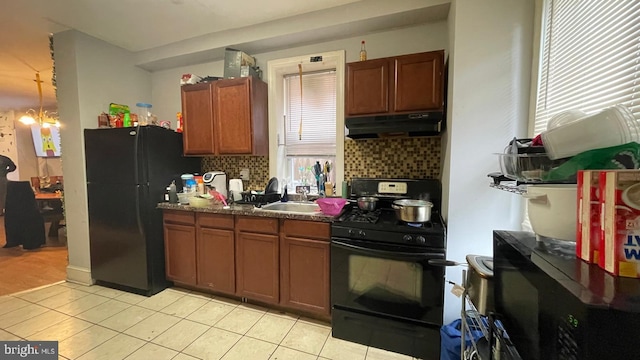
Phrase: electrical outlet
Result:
[244,174]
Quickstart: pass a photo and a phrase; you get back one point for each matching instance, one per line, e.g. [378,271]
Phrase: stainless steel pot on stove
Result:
[413,211]
[367,203]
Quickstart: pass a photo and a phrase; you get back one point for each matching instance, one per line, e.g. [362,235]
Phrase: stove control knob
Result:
[407,238]
[361,233]
[421,240]
[351,232]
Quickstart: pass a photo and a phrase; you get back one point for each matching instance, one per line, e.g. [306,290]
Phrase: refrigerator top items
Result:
[128,170]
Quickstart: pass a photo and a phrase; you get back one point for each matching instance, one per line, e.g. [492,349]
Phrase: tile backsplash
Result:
[411,158]
[258,168]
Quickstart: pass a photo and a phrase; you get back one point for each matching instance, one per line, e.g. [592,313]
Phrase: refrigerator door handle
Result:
[136,168]
[138,209]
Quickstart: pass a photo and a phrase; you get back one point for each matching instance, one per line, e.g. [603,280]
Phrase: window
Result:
[314,141]
[294,150]
[589,57]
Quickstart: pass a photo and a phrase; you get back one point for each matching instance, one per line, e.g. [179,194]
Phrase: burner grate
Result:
[361,216]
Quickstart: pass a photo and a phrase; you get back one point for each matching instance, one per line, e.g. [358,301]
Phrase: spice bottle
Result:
[363,52]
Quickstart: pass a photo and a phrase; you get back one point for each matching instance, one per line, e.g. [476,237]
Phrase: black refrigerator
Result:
[128,171]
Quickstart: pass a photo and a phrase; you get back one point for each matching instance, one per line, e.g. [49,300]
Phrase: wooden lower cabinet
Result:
[257,258]
[180,247]
[304,273]
[215,248]
[284,262]
[257,268]
[304,266]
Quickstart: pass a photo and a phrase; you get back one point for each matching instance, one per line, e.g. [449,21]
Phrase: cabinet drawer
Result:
[257,224]
[179,217]
[218,221]
[306,229]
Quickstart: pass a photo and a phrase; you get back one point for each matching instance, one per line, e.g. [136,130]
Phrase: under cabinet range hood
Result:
[417,124]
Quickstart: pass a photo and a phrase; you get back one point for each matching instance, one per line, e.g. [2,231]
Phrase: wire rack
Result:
[488,340]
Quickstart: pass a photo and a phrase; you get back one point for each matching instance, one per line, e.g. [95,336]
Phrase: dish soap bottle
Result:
[173,195]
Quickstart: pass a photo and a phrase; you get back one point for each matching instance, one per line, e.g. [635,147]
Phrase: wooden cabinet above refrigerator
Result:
[226,117]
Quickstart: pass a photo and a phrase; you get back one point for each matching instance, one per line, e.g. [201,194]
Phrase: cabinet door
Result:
[305,274]
[419,82]
[257,270]
[180,253]
[216,266]
[368,89]
[198,119]
[232,116]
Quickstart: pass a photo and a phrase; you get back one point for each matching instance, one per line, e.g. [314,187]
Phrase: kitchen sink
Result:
[292,207]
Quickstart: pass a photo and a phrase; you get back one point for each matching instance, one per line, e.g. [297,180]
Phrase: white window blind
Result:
[590,56]
[316,109]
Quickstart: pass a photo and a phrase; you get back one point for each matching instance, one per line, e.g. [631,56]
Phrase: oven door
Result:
[390,280]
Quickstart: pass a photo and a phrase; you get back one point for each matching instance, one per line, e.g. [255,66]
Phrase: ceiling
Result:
[150,27]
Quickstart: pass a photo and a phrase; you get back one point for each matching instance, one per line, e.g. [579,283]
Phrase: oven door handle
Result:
[419,255]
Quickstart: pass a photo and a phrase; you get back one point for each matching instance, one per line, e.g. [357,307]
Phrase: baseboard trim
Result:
[79,275]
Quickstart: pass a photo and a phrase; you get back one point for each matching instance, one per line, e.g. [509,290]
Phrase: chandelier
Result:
[43,118]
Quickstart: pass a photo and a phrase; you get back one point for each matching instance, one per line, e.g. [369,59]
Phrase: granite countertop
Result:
[247,210]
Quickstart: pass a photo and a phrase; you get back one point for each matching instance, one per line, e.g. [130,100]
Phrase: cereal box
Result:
[620,199]
[588,222]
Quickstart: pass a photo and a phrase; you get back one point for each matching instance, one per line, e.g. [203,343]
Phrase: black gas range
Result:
[382,225]
[384,292]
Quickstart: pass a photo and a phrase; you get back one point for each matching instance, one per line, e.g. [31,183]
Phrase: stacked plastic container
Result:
[610,127]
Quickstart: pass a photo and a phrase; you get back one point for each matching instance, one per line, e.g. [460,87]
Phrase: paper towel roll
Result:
[235,187]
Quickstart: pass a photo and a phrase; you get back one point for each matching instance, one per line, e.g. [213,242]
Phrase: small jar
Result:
[144,113]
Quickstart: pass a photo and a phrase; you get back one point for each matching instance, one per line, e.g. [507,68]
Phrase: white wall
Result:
[8,141]
[489,87]
[91,74]
[426,37]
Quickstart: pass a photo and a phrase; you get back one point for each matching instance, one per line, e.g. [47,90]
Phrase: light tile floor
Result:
[94,322]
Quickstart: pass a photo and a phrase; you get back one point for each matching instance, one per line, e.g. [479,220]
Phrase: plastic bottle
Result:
[173,195]
[363,52]
[126,122]
[191,186]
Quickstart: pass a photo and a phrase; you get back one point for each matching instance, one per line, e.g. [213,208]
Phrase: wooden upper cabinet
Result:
[395,85]
[419,82]
[197,111]
[368,87]
[236,116]
[240,116]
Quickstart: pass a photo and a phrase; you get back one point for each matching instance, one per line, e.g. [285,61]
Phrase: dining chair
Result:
[23,222]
